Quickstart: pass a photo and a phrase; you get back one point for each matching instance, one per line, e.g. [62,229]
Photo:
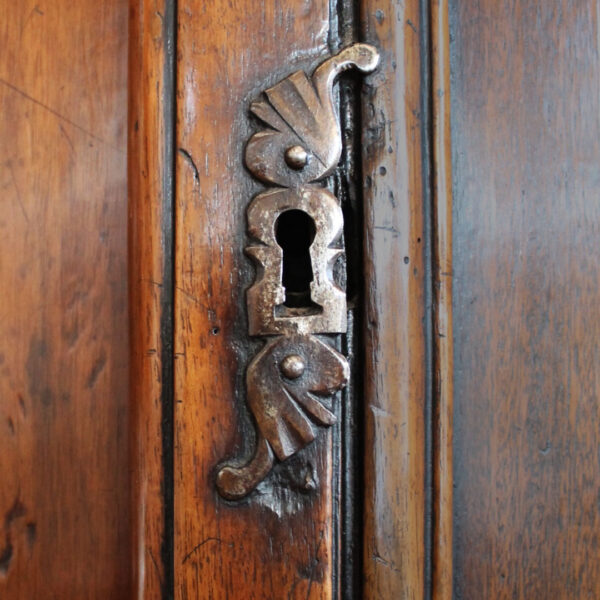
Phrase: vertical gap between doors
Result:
[167,296]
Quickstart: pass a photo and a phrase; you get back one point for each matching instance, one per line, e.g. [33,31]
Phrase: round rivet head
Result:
[292,366]
[296,157]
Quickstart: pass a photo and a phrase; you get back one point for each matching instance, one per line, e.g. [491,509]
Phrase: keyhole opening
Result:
[295,232]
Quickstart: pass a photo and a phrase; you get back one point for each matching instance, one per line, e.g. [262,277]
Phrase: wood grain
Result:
[150,188]
[443,374]
[64,518]
[526,150]
[279,542]
[395,332]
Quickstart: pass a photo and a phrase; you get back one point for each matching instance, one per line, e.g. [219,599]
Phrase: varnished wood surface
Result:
[278,543]
[443,375]
[395,335]
[64,519]
[526,155]
[150,175]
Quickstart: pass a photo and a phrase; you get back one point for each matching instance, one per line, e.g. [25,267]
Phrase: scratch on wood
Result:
[31,531]
[386,563]
[208,539]
[12,175]
[379,412]
[411,25]
[158,571]
[62,130]
[6,557]
[57,114]
[190,160]
[313,567]
[97,368]
[16,510]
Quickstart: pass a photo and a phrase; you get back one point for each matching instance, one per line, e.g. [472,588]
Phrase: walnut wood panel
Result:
[526,150]
[278,543]
[64,524]
[395,330]
[150,169]
[442,376]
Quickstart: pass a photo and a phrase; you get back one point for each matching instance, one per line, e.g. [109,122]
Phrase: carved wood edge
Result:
[443,364]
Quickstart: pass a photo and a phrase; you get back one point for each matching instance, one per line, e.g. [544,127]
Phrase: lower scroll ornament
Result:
[294,296]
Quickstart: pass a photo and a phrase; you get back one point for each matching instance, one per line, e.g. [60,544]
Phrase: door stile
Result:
[442,400]
[151,192]
[395,330]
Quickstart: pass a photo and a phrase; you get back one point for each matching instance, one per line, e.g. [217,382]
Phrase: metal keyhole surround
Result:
[293,227]
[295,232]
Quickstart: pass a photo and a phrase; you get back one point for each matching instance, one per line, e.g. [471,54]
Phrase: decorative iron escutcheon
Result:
[294,296]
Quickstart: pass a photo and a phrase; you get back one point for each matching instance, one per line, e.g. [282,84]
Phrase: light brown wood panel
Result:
[526,150]
[63,305]
[150,190]
[442,375]
[278,543]
[395,333]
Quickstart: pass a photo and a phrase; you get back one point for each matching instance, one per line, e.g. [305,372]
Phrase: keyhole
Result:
[295,232]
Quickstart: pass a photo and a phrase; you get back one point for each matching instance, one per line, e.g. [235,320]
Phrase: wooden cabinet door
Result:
[299,299]
[64,427]
[346,515]
[525,150]
[469,185]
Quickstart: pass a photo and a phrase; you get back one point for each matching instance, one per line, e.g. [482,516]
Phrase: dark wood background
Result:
[64,471]
[526,156]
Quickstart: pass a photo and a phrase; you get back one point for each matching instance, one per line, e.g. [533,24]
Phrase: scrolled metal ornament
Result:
[288,380]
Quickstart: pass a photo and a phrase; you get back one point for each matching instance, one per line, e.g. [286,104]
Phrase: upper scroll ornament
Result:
[304,142]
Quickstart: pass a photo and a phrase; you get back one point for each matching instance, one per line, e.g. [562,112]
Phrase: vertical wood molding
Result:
[279,541]
[441,585]
[395,330]
[64,357]
[526,287]
[150,171]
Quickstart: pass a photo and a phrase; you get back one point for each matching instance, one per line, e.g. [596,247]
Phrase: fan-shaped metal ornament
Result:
[287,381]
[303,142]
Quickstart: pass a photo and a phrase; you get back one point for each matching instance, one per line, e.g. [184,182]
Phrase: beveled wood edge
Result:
[442,304]
[395,537]
[150,171]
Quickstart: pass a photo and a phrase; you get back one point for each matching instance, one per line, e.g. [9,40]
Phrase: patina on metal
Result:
[288,380]
[267,314]
[296,157]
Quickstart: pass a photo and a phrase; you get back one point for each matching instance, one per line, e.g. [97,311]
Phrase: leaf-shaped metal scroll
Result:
[304,143]
[285,383]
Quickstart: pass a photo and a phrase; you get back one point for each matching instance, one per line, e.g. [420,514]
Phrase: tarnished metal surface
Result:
[285,384]
[266,312]
[300,113]
[288,379]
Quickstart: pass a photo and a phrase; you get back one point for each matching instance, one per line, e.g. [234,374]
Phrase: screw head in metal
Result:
[296,157]
[292,366]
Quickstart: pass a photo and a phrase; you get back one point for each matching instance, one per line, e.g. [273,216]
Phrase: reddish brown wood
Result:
[150,172]
[279,542]
[526,150]
[64,524]
[394,518]
[442,413]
